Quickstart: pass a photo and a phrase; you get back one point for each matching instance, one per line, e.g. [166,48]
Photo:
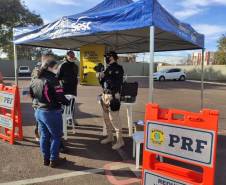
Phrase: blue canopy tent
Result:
[122,25]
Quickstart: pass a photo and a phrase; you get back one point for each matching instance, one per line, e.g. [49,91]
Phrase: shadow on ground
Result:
[28,113]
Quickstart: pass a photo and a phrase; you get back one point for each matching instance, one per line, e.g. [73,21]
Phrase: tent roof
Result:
[108,5]
[121,25]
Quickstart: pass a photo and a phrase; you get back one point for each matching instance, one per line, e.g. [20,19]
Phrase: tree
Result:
[14,13]
[220,56]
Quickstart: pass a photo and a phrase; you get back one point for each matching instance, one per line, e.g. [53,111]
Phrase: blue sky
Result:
[206,16]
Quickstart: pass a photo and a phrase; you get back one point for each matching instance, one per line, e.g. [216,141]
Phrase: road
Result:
[87,159]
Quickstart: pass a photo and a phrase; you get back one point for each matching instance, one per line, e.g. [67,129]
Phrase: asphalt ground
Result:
[87,159]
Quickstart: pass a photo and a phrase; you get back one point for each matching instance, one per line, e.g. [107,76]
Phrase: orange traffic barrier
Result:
[10,114]
[187,142]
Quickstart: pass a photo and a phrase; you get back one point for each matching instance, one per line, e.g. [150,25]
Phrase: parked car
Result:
[24,71]
[170,74]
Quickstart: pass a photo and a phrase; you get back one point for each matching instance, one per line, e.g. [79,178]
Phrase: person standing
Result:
[68,74]
[49,94]
[34,75]
[111,81]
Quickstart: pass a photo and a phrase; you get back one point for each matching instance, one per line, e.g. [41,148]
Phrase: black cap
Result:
[112,54]
[70,52]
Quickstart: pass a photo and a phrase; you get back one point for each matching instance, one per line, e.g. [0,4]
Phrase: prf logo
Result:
[157,137]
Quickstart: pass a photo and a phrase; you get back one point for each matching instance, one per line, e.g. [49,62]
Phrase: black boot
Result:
[46,162]
[63,148]
[57,162]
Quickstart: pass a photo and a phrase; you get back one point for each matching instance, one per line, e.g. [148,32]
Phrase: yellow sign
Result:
[157,137]
[90,56]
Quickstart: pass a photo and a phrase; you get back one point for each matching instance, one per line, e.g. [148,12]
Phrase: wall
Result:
[131,69]
[7,67]
[135,69]
[212,72]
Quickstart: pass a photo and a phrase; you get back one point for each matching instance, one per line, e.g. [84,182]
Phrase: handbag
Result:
[129,91]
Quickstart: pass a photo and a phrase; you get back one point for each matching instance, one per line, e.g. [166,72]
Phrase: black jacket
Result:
[113,78]
[48,93]
[68,75]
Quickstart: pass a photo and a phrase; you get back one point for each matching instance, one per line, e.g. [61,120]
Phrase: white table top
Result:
[127,103]
[138,136]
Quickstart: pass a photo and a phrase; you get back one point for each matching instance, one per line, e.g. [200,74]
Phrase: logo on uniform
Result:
[157,137]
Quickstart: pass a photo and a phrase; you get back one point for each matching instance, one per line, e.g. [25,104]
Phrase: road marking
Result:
[54,177]
[120,165]
[214,83]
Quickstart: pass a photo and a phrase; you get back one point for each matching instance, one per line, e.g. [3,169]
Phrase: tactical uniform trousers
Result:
[111,118]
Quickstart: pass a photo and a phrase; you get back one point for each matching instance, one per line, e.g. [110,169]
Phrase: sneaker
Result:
[57,162]
[63,148]
[107,140]
[118,145]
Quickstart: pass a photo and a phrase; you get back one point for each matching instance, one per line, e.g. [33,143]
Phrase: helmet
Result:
[111,54]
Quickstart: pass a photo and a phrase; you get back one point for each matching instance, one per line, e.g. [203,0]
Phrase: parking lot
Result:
[89,162]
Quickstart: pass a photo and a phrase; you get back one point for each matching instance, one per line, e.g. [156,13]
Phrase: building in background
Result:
[196,58]
[131,58]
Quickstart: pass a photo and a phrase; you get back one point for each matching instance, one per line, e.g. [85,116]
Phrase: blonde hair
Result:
[47,58]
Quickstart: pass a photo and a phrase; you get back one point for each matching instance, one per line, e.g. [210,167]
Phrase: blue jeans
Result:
[51,130]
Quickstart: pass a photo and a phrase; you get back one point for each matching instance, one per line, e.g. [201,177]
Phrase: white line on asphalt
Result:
[214,83]
[54,177]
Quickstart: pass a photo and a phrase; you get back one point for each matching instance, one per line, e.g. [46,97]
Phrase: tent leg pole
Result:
[15,64]
[151,65]
[202,79]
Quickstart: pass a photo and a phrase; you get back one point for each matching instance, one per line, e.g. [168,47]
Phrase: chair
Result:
[68,116]
[138,139]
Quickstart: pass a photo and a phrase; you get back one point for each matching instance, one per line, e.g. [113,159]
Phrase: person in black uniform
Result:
[111,81]
[68,74]
[49,95]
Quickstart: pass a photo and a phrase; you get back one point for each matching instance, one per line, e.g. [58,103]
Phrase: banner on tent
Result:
[91,55]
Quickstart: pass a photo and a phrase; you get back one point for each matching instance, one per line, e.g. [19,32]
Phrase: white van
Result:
[24,71]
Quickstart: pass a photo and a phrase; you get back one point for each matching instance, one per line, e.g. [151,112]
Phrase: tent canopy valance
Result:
[121,25]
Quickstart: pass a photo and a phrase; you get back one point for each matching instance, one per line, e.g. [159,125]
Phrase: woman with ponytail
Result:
[49,95]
